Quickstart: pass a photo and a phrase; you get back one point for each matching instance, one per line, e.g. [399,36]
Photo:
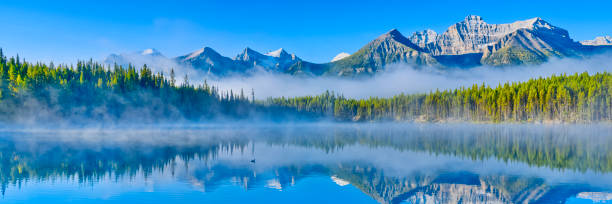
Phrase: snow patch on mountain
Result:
[195,54]
[340,56]
[339,181]
[150,51]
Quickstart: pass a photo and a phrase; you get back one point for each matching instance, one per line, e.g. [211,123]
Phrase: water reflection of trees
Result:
[22,160]
[560,147]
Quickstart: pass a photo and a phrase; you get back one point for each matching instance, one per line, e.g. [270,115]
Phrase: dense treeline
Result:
[564,98]
[90,91]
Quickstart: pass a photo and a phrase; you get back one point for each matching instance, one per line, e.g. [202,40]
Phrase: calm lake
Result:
[309,163]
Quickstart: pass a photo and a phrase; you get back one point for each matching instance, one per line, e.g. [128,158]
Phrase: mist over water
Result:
[206,127]
[386,163]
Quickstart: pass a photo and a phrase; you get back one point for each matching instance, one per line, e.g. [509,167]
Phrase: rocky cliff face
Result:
[391,47]
[474,35]
[469,43]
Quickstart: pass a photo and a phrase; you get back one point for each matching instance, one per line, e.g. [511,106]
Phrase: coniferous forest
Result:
[89,91]
[566,98]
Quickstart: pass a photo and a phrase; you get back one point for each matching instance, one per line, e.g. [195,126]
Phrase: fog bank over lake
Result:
[385,163]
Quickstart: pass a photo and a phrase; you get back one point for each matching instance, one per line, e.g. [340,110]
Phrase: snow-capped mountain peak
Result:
[276,53]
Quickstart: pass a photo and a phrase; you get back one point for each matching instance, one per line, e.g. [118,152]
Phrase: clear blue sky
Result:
[315,30]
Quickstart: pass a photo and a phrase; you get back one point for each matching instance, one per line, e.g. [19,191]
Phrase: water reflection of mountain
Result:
[88,157]
[458,187]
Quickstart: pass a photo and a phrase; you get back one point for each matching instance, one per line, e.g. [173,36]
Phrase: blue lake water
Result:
[309,163]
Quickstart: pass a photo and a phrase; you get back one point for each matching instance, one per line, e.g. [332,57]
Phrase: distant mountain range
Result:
[601,40]
[469,43]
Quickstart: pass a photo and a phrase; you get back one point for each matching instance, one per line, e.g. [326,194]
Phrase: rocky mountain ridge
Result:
[474,35]
[600,40]
[469,43]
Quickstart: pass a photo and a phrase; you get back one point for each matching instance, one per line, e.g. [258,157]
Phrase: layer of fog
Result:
[402,78]
[396,79]
[285,149]
[158,63]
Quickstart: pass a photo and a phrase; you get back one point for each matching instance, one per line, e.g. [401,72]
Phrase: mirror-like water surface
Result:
[310,163]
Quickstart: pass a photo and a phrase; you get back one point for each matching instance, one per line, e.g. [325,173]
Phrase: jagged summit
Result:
[277,53]
[467,43]
[210,61]
[249,54]
[248,49]
[474,35]
[278,60]
[396,36]
[390,47]
[205,51]
[282,54]
[393,31]
[393,34]
[422,38]
[533,23]
[473,19]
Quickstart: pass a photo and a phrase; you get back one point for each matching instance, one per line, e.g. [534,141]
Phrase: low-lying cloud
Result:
[402,78]
[158,64]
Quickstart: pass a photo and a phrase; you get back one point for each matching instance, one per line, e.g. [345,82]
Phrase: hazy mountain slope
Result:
[275,61]
[391,47]
[154,59]
[598,45]
[469,43]
[147,56]
[528,46]
[211,62]
[304,68]
[522,42]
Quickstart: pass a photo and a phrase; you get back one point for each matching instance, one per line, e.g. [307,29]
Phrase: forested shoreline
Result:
[565,98]
[91,92]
